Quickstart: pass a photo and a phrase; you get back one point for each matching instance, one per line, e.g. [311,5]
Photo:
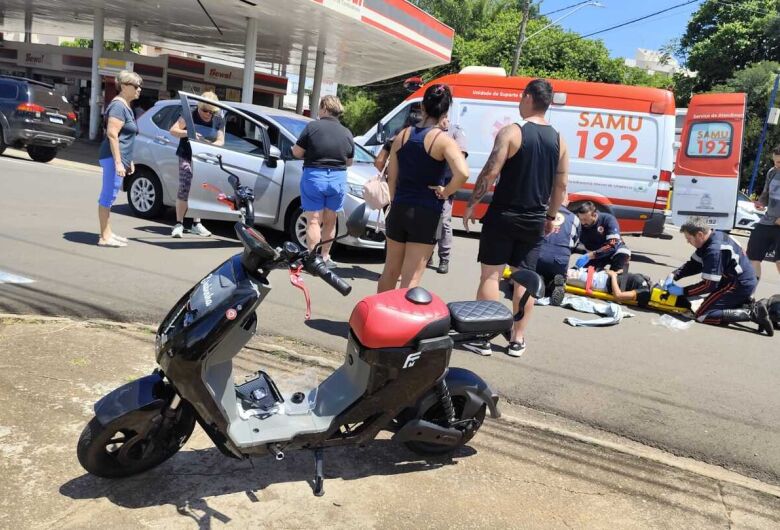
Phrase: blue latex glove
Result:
[674,289]
[580,263]
[668,281]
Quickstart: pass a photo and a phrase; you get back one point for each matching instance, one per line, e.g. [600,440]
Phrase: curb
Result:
[531,418]
[645,452]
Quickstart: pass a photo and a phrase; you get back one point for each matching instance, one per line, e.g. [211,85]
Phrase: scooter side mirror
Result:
[358,221]
[534,286]
[532,282]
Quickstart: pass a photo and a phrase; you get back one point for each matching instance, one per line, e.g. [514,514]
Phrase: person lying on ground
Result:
[625,287]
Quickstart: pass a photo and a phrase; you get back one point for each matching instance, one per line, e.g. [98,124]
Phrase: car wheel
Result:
[296,226]
[41,153]
[144,194]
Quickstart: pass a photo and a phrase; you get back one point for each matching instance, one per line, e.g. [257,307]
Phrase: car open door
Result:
[708,162]
[247,152]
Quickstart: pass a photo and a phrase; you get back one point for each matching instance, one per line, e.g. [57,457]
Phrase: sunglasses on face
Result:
[207,111]
[133,85]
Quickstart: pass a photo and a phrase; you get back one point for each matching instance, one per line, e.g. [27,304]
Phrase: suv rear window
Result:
[8,90]
[48,98]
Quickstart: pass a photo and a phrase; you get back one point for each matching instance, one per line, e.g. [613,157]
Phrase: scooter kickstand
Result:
[319,478]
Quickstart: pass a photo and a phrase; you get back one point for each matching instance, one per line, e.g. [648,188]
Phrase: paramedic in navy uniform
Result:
[600,235]
[728,279]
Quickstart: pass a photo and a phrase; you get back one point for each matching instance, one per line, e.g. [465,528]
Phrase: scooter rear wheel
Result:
[118,449]
[435,414]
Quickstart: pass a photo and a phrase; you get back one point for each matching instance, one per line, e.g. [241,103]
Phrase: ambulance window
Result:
[399,120]
[710,140]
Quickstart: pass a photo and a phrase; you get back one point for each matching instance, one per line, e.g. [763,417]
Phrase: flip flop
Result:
[111,243]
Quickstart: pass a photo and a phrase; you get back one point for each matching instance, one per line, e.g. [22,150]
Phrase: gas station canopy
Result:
[363,40]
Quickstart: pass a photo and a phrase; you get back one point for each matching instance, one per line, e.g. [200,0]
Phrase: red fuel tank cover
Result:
[389,320]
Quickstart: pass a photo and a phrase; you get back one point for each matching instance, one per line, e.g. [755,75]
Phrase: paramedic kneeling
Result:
[728,278]
[600,234]
[555,253]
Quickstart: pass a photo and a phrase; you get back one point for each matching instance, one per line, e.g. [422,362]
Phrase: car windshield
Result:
[295,126]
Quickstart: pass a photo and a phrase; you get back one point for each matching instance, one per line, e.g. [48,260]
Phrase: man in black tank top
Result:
[533,163]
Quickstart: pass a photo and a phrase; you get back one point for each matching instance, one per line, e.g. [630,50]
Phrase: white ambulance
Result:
[620,139]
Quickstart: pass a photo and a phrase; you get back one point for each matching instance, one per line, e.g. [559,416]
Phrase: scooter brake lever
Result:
[297,281]
[221,197]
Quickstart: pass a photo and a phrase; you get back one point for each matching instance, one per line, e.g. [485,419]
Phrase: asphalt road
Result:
[709,393]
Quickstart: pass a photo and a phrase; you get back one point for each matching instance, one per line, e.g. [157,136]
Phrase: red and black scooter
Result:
[395,375]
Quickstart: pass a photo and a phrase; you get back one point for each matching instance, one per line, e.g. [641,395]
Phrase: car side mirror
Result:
[381,136]
[274,154]
[358,221]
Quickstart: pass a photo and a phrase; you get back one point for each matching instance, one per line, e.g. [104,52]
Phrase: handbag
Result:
[376,192]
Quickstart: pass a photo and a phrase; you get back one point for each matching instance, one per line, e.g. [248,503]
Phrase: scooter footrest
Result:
[260,392]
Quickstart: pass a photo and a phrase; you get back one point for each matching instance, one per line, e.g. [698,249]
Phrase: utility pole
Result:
[521,37]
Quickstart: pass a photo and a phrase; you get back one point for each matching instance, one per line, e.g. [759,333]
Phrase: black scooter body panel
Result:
[226,299]
[199,321]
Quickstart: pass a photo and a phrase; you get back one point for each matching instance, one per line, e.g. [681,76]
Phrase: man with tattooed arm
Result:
[531,162]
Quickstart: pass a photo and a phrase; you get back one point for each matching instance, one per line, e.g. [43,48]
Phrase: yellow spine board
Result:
[659,299]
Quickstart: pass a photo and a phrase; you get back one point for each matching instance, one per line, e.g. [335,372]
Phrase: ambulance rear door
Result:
[708,162]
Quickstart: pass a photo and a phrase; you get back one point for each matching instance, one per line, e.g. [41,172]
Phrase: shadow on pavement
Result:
[331,327]
[191,477]
[85,238]
[356,272]
[24,298]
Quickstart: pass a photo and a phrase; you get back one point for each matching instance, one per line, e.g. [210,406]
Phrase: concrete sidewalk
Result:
[514,474]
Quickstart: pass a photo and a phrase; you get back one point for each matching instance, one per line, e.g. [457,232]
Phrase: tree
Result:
[486,35]
[360,111]
[756,81]
[723,37]
[135,47]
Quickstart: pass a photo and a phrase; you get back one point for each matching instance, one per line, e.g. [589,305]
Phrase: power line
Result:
[626,23]
[565,8]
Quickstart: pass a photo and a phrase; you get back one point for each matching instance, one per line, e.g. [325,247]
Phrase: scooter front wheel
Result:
[436,414]
[127,446]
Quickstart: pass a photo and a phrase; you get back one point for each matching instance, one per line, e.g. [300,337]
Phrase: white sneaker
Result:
[516,349]
[199,230]
[178,230]
[480,348]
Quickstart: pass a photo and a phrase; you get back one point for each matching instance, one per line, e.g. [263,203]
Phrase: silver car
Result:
[258,148]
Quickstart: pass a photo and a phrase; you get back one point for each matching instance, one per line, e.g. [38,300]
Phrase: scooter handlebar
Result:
[317,267]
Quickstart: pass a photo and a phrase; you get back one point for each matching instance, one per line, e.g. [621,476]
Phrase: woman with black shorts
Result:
[415,176]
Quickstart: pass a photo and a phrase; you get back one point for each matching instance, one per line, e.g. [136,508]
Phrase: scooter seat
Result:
[481,316]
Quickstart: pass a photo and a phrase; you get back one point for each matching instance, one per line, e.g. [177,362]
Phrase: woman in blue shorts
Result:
[327,149]
[116,152]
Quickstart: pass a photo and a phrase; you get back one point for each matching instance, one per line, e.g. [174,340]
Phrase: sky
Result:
[651,33]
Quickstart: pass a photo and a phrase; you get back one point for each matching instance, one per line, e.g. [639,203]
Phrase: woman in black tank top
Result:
[415,176]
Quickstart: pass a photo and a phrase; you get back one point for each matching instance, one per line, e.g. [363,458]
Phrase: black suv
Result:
[34,116]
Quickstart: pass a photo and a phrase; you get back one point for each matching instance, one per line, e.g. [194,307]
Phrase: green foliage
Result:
[115,46]
[726,36]
[360,112]
[486,33]
[756,81]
